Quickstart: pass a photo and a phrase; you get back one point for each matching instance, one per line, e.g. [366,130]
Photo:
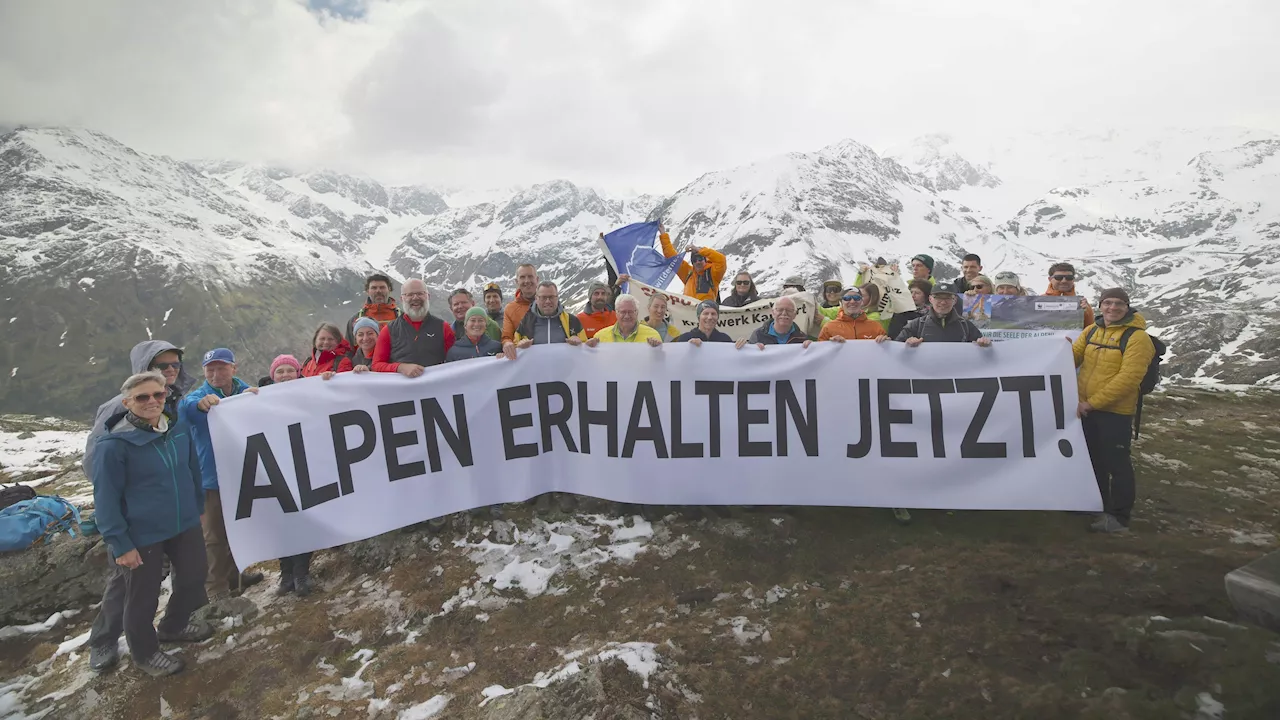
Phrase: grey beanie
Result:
[365,322]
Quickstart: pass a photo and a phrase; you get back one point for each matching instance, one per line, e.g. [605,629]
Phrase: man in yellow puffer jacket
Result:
[1109,383]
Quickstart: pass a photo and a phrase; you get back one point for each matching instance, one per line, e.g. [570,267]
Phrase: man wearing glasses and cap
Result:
[1062,282]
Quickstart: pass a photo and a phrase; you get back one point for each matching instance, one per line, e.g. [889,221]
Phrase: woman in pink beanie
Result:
[284,368]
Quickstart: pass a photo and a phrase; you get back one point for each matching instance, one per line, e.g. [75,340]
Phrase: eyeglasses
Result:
[743,283]
[415,295]
[166,366]
[153,397]
[1060,278]
[852,298]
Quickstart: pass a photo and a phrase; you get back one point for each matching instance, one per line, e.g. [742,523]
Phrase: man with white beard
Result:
[414,341]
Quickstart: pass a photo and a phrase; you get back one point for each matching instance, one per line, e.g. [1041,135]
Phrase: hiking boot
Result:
[1109,524]
[193,632]
[104,657]
[302,585]
[652,513]
[902,516]
[249,579]
[285,587]
[160,665]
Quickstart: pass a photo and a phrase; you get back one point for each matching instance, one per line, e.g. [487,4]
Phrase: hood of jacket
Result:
[117,429]
[342,349]
[142,355]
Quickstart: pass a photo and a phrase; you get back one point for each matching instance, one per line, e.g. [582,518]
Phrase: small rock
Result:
[694,597]
[241,607]
[26,435]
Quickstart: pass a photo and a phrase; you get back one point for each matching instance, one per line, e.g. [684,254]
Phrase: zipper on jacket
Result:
[177,499]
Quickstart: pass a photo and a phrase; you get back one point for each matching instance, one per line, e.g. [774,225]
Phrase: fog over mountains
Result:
[102,246]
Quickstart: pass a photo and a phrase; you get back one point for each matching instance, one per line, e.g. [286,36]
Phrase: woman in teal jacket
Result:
[147,504]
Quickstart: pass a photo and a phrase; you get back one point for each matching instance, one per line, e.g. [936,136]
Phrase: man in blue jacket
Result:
[220,381]
[147,504]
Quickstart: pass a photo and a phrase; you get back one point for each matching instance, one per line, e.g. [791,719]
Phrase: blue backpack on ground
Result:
[37,520]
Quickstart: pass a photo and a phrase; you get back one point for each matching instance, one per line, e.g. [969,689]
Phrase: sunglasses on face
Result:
[742,283]
[1060,278]
[166,366]
[979,286]
[153,397]
[852,298]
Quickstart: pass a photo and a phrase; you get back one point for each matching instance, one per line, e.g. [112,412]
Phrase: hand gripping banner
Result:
[311,464]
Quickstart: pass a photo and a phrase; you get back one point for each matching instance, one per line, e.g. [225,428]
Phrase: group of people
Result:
[156,483]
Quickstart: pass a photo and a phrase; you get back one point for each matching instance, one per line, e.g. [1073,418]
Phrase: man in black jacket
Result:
[942,323]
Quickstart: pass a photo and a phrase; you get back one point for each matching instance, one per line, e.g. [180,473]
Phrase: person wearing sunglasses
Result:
[852,323]
[149,355]
[702,273]
[148,501]
[744,291]
[1062,282]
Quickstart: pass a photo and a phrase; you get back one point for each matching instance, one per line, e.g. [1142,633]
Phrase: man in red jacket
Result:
[415,340]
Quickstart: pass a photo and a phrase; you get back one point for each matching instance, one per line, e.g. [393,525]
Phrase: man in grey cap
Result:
[792,284]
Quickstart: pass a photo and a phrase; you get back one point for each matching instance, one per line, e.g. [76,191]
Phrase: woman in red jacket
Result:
[329,352]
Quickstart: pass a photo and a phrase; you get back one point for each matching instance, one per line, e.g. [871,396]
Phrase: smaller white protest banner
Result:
[894,295]
[737,323]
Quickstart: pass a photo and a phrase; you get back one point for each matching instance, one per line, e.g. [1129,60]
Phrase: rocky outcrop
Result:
[64,574]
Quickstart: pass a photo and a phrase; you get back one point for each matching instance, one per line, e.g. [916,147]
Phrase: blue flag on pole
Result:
[631,251]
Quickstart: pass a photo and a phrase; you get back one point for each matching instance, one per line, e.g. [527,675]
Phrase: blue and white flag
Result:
[631,252]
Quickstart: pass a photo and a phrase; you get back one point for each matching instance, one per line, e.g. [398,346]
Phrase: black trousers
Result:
[295,566]
[1110,437]
[131,597]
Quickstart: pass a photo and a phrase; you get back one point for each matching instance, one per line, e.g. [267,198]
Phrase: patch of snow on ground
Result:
[54,621]
[41,451]
[352,688]
[1207,708]
[426,710]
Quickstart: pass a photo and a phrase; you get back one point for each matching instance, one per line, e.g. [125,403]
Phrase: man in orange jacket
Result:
[1062,282]
[526,287]
[852,323]
[704,271]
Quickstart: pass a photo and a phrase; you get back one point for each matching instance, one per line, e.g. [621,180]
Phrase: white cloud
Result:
[643,95]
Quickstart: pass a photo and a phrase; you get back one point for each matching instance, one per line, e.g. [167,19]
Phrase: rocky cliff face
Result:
[102,247]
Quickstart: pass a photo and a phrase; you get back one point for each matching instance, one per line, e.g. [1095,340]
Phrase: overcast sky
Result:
[630,95]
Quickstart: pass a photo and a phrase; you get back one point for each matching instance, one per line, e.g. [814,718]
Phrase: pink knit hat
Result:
[284,360]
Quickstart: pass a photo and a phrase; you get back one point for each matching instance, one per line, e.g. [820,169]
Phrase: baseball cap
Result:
[946,288]
[218,355]
[795,280]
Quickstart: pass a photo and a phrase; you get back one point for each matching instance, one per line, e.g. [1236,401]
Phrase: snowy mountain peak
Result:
[933,157]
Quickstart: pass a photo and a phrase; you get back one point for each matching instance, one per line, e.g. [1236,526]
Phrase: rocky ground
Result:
[813,613]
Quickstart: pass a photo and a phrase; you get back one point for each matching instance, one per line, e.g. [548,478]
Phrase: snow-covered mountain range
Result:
[101,245]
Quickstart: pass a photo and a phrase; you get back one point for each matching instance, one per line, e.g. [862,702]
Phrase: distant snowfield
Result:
[45,450]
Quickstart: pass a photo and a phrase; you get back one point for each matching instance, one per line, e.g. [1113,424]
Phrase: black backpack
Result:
[13,494]
[1151,379]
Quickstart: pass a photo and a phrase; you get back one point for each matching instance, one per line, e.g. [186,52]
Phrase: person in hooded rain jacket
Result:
[548,322]
[703,271]
[147,503]
[166,358]
[329,352]
[1109,385]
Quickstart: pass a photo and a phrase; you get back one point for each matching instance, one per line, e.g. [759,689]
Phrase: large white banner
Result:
[737,323]
[310,464]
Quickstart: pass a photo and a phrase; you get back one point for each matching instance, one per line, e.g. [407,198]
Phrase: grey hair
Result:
[627,298]
[142,378]
[788,298]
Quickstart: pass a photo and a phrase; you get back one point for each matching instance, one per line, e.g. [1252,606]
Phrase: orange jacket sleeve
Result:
[508,324]
[382,353]
[669,250]
[719,264]
[1088,313]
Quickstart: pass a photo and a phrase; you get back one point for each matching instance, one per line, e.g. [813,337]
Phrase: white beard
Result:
[416,315]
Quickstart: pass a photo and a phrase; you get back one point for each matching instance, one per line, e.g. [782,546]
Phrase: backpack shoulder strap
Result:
[1088,337]
[337,360]
[1124,337]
